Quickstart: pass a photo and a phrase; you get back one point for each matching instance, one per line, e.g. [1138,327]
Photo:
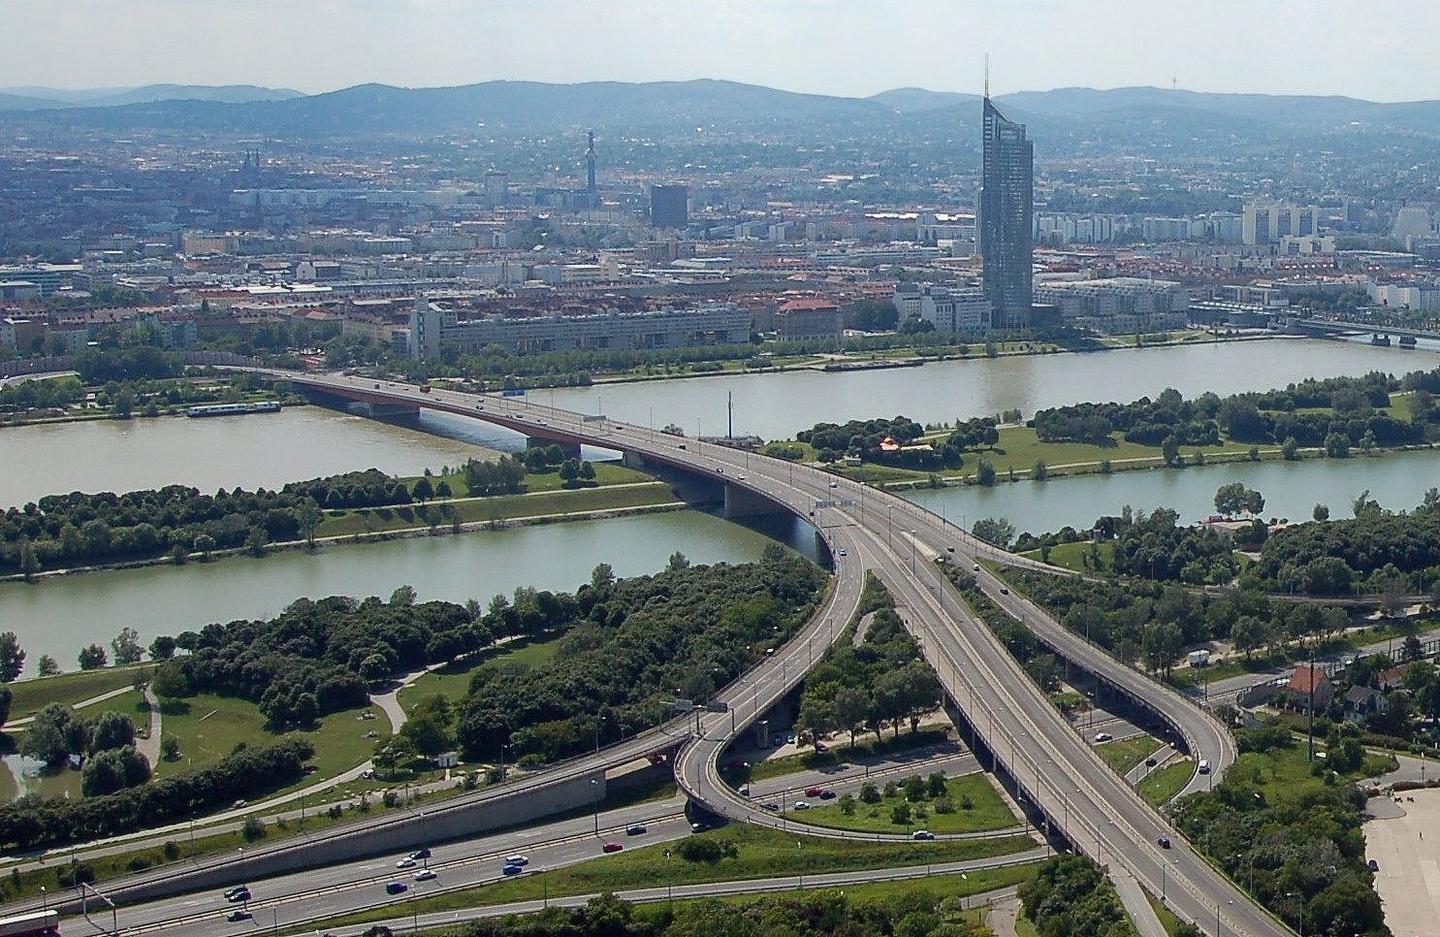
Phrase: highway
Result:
[869,530]
[345,888]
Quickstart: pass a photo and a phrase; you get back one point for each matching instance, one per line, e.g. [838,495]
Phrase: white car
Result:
[1102,736]
[517,860]
[424,875]
[406,863]
[802,805]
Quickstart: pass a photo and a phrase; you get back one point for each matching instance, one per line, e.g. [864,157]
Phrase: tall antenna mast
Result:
[987,76]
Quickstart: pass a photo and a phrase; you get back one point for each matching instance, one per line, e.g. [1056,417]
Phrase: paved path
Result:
[92,701]
[149,746]
[862,629]
[1001,917]
[1162,755]
[1147,922]
[389,701]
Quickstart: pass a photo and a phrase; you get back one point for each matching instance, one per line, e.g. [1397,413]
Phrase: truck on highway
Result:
[35,924]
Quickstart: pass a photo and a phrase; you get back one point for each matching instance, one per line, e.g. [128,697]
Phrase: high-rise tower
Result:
[1007,215]
[590,165]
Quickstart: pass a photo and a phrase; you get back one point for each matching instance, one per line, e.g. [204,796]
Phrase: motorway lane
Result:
[1112,823]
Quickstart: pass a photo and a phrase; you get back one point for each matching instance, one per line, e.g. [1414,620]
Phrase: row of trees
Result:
[29,822]
[1070,897]
[882,681]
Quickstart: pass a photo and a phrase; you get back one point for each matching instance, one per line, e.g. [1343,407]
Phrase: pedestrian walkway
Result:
[149,746]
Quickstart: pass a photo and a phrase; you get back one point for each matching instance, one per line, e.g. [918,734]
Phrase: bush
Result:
[900,814]
[944,805]
[869,793]
[253,829]
[703,849]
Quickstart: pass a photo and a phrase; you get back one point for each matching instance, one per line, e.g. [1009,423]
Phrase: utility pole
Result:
[729,414]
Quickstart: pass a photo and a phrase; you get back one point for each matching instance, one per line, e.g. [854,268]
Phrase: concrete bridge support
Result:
[742,502]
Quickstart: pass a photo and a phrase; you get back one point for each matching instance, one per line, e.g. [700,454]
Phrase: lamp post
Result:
[595,802]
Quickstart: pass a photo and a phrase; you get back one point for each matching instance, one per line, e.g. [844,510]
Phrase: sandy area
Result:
[1409,877]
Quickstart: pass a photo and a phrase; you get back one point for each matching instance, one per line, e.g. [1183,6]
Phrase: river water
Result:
[59,616]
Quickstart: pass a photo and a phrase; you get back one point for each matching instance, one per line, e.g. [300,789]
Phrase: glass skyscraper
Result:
[1007,215]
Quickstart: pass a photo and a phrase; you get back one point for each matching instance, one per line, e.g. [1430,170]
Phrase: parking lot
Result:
[1408,878]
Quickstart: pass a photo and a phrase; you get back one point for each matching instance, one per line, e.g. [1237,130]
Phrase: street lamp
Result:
[595,803]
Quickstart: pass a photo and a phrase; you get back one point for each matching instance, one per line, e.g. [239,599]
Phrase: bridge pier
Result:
[742,502]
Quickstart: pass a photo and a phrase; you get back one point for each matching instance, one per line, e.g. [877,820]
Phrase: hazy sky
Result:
[1379,49]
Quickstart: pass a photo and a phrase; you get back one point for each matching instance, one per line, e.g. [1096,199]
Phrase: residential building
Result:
[1117,304]
[669,206]
[951,309]
[713,324]
[806,320]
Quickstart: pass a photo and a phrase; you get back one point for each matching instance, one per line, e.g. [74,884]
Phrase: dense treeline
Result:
[883,681]
[633,647]
[1070,897]
[1375,551]
[1299,852]
[371,488]
[128,363]
[316,657]
[1154,545]
[829,913]
[863,439]
[66,530]
[30,822]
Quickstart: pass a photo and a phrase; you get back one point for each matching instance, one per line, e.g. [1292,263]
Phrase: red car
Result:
[812,792]
[611,847]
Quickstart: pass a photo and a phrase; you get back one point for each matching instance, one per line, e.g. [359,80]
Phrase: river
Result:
[777,405]
[58,616]
[61,615]
[1397,480]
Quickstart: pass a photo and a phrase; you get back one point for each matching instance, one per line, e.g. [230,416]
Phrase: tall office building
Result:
[669,206]
[590,168]
[1007,217]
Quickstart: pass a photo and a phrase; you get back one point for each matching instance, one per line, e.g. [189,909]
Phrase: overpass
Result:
[1079,797]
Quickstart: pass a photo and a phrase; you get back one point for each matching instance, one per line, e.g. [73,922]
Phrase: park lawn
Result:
[1072,555]
[453,680]
[1161,785]
[988,812]
[1123,754]
[762,853]
[28,696]
[499,507]
[208,728]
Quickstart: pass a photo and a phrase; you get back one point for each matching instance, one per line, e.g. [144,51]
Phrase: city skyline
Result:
[440,42]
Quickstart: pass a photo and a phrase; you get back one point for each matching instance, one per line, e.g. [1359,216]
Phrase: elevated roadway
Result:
[1078,795]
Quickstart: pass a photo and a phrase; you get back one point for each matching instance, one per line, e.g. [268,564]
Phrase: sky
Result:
[1377,49]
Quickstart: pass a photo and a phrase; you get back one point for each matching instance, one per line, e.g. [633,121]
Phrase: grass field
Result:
[606,473]
[865,747]
[1123,754]
[987,812]
[454,680]
[1072,556]
[28,696]
[762,853]
[1162,784]
[209,727]
[499,507]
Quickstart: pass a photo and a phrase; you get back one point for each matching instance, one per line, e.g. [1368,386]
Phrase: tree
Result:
[255,541]
[12,657]
[126,646]
[114,770]
[423,490]
[1337,445]
[46,666]
[428,728]
[110,730]
[677,561]
[93,657]
[170,748]
[205,545]
[602,577]
[162,648]
[851,708]
[29,562]
[373,668]
[45,738]
[170,681]
[1321,513]
[1247,634]
[307,518]
[1170,450]
[1290,449]
[587,470]
[403,596]
[1040,471]
[985,473]
[995,530]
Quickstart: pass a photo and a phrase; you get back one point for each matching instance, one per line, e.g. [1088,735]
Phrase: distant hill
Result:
[115,97]
[1061,119]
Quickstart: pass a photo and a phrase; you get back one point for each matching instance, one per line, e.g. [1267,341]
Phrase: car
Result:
[377,386]
[770,805]
[719,470]
[844,552]
[802,805]
[1373,866]
[1151,762]
[812,792]
[396,888]
[1004,591]
[1103,736]
[238,893]
[922,835]
[236,916]
[635,829]
[827,795]
[542,422]
[424,875]
[423,853]
[517,859]
[682,446]
[975,568]
[238,804]
[1204,766]
[699,826]
[511,868]
[949,549]
[740,478]
[1163,842]
[611,847]
[834,484]
[406,863]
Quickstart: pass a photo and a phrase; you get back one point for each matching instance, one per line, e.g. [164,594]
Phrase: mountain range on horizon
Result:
[528,107]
